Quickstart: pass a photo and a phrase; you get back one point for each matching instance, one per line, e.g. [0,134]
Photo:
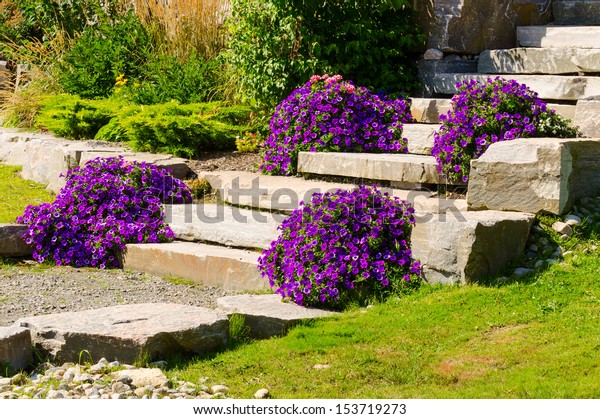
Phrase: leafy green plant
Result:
[275,45]
[199,187]
[239,332]
[249,143]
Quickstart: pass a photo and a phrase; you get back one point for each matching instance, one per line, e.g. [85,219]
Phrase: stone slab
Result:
[225,225]
[11,242]
[428,110]
[587,117]
[566,111]
[581,12]
[558,36]
[540,61]
[427,70]
[547,86]
[420,137]
[125,332]
[16,349]
[408,168]
[231,269]
[546,174]
[178,166]
[463,247]
[266,315]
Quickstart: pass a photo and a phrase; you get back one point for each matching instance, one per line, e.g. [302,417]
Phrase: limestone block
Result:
[540,61]
[428,110]
[535,174]
[581,12]
[587,117]
[11,242]
[267,315]
[125,332]
[461,247]
[420,137]
[559,36]
[16,350]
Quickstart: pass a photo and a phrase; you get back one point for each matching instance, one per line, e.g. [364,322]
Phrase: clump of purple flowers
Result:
[103,206]
[341,247]
[330,114]
[485,113]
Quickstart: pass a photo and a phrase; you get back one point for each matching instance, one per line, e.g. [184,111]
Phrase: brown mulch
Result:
[225,161]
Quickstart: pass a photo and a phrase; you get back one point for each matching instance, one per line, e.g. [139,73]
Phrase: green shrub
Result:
[74,118]
[249,143]
[102,53]
[275,45]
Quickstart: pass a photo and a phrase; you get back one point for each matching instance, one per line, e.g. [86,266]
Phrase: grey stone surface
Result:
[16,349]
[427,70]
[231,269]
[11,243]
[394,167]
[546,174]
[143,377]
[580,12]
[266,315]
[461,247]
[420,137]
[125,332]
[226,225]
[587,117]
[428,110]
[433,54]
[547,86]
[539,61]
[178,166]
[566,111]
[558,36]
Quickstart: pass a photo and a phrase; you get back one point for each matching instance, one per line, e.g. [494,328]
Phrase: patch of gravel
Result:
[35,290]
[225,161]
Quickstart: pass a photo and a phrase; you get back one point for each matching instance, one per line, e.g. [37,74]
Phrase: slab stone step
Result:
[125,332]
[540,61]
[16,349]
[547,86]
[231,269]
[558,36]
[420,137]
[273,189]
[428,110]
[462,247]
[266,315]
[546,174]
[11,242]
[581,12]
[406,168]
[225,225]
[587,117]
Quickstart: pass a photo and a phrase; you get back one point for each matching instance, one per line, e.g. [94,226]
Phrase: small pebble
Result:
[263,393]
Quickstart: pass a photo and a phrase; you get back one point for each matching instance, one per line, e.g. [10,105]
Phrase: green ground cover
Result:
[17,193]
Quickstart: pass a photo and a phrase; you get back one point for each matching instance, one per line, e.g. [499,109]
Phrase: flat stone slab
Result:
[232,269]
[587,117]
[540,61]
[420,137]
[428,110]
[226,225]
[16,349]
[267,315]
[407,168]
[178,166]
[546,174]
[547,86]
[11,241]
[586,12]
[125,332]
[558,36]
[462,247]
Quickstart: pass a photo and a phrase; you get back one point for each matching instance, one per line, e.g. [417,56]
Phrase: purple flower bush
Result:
[485,113]
[103,206]
[330,114]
[341,247]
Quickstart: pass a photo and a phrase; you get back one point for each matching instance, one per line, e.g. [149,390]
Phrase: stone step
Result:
[284,193]
[558,36]
[404,168]
[231,269]
[16,351]
[225,225]
[581,12]
[127,332]
[540,61]
[586,118]
[420,137]
[266,315]
[11,242]
[548,87]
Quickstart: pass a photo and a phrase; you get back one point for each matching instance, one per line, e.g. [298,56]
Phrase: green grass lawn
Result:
[17,193]
[538,338]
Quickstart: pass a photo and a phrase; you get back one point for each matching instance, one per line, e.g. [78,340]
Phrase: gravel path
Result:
[34,290]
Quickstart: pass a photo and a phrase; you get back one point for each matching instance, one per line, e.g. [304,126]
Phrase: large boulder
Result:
[462,247]
[535,174]
[471,26]
[128,332]
[16,351]
[11,241]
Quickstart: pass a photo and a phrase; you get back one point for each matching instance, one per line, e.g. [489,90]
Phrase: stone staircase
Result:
[560,61]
